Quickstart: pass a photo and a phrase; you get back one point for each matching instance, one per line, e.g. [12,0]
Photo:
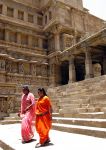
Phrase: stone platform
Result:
[10,134]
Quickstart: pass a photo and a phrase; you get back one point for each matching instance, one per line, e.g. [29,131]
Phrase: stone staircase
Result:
[80,107]
[80,97]
[87,124]
[11,119]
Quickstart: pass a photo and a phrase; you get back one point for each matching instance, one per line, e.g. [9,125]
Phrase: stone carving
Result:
[33,69]
[3,104]
[97,69]
[21,68]
[8,66]
[14,68]
[2,64]
[44,70]
[38,70]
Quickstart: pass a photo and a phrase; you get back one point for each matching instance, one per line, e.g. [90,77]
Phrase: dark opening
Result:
[65,73]
[80,72]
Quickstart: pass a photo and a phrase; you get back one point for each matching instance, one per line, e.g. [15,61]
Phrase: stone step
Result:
[91,131]
[101,123]
[2,115]
[3,122]
[11,118]
[96,115]
[88,84]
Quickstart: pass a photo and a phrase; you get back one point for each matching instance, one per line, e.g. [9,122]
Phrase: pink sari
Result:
[28,117]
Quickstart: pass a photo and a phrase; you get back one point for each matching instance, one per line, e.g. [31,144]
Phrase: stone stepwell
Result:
[77,108]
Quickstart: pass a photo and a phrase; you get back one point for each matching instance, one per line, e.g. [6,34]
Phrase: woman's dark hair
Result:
[26,87]
[42,90]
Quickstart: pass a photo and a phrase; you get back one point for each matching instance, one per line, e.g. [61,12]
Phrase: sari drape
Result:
[43,118]
[28,117]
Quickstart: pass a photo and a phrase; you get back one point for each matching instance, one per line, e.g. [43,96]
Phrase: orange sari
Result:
[43,118]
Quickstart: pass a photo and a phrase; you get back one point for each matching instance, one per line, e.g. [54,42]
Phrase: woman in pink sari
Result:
[27,114]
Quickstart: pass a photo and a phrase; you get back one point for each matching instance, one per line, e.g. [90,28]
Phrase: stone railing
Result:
[23,48]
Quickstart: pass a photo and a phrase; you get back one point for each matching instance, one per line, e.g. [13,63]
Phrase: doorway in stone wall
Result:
[80,69]
[64,72]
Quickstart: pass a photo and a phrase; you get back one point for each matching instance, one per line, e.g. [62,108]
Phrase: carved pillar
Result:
[72,73]
[19,38]
[57,41]
[88,65]
[7,35]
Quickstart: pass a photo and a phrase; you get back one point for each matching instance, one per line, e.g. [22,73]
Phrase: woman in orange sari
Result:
[43,117]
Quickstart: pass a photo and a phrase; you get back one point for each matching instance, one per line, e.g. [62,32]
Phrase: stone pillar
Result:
[35,19]
[57,41]
[4,10]
[88,65]
[52,81]
[40,43]
[72,73]
[7,35]
[29,40]
[15,13]
[25,17]
[18,37]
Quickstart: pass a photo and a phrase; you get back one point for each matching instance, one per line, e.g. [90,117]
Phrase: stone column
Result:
[7,35]
[25,17]
[88,65]
[18,37]
[4,10]
[15,13]
[29,40]
[57,41]
[35,19]
[40,43]
[52,81]
[72,73]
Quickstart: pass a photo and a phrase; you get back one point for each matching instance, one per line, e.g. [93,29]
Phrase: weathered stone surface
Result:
[47,43]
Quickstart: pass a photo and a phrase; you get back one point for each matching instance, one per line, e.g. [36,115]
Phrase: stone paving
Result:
[10,134]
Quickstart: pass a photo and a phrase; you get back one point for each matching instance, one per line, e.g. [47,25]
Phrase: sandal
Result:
[38,145]
[47,141]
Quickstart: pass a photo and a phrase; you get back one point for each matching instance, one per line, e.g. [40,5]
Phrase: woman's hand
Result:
[19,113]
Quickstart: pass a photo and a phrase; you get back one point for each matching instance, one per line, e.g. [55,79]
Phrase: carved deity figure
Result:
[97,69]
